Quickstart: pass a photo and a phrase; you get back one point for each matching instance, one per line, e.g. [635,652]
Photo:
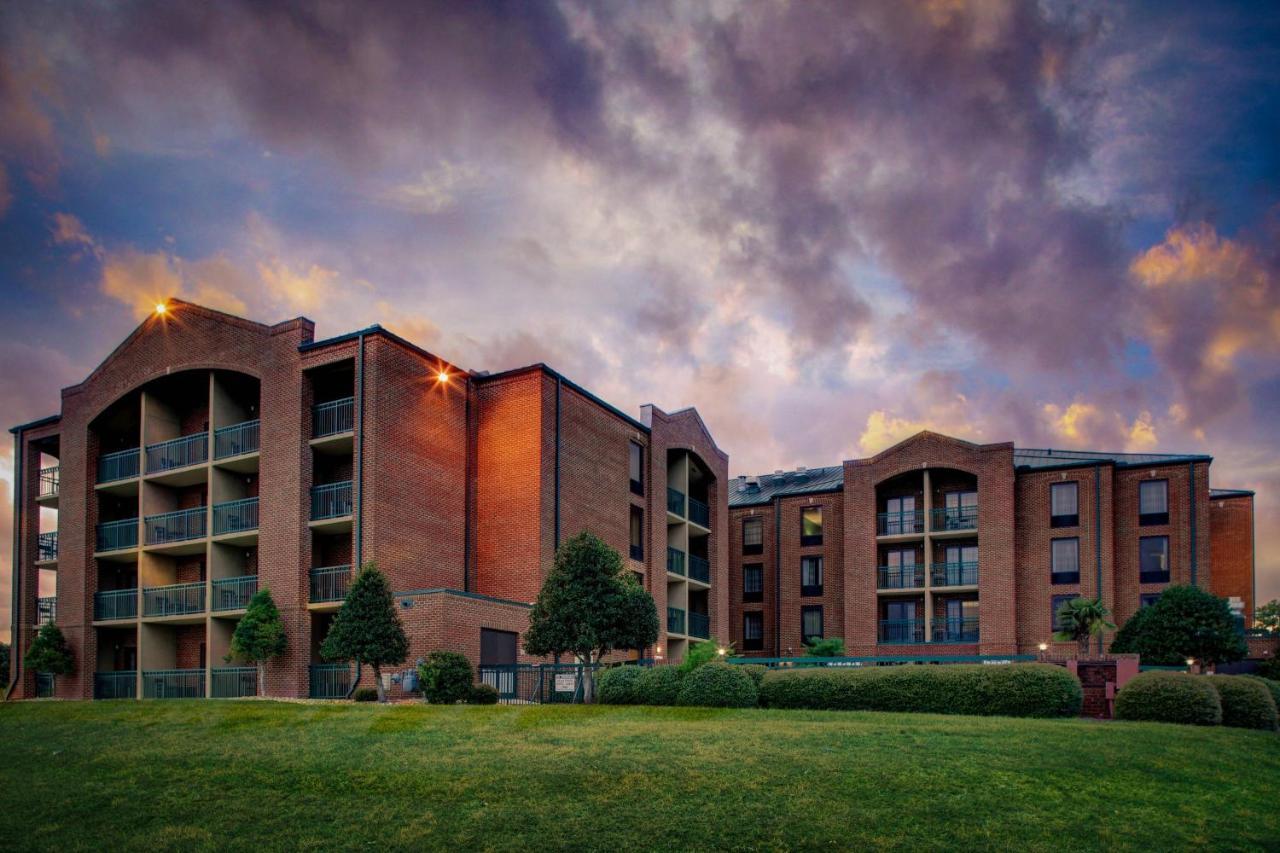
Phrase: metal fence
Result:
[48,482]
[44,685]
[173,684]
[231,682]
[882,660]
[330,583]
[178,452]
[115,604]
[47,546]
[117,535]
[233,593]
[121,684]
[333,418]
[332,500]
[174,600]
[699,513]
[180,526]
[236,440]
[538,683]
[235,516]
[121,465]
[330,680]
[46,609]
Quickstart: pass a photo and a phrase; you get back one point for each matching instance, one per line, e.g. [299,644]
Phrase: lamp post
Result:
[1044,647]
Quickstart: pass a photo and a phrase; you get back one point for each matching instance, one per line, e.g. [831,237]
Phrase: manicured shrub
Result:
[756,671]
[703,652]
[446,678]
[1187,622]
[483,694]
[1246,703]
[1019,690]
[1169,697]
[617,685]
[1271,685]
[1270,668]
[365,694]
[718,685]
[659,685]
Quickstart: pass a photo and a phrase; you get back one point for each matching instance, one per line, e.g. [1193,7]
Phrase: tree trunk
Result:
[588,682]
[377,682]
[262,678]
[1084,647]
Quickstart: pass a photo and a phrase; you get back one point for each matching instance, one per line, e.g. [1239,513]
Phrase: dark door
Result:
[497,648]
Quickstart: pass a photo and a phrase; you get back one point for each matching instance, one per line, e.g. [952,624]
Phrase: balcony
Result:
[905,523]
[699,513]
[46,610]
[179,599]
[173,684]
[898,631]
[233,682]
[47,547]
[955,574]
[675,620]
[122,465]
[178,453]
[232,517]
[699,625]
[955,629]
[333,418]
[47,490]
[900,577]
[330,583]
[946,519]
[233,593]
[675,561]
[117,535]
[238,440]
[699,569]
[332,500]
[330,680]
[675,501]
[170,528]
[45,687]
[115,604]
[120,684]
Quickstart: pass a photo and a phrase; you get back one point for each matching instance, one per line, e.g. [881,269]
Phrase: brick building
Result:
[210,455]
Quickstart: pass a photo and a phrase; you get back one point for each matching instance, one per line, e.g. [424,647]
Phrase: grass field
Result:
[265,775]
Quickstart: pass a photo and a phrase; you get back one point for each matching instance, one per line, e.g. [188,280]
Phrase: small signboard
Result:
[566,682]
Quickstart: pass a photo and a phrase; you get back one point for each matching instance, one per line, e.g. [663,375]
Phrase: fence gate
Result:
[529,684]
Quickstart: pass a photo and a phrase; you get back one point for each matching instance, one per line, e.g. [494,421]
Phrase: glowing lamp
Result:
[720,651]
[1044,647]
[161,308]
[1191,662]
[442,376]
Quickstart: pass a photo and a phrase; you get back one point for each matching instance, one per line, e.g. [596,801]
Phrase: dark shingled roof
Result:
[829,479]
[1230,493]
[1030,458]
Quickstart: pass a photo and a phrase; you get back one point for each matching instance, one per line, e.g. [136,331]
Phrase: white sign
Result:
[566,682]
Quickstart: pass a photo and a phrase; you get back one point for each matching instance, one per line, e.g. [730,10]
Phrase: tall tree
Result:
[367,628]
[49,652]
[1187,622]
[1267,617]
[589,605]
[259,636]
[1080,620]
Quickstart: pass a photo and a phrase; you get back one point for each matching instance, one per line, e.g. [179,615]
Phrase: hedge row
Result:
[1242,701]
[712,685]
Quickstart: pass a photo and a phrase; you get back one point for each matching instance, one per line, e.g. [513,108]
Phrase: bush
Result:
[1187,622]
[1016,690]
[1271,685]
[756,671]
[703,652]
[446,678]
[483,694]
[1270,668]
[1169,697]
[718,685]
[365,694]
[658,685]
[1246,703]
[617,685]
[828,647]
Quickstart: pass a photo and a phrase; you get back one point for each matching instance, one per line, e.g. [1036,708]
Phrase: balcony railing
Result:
[178,452]
[333,418]
[901,631]
[675,560]
[234,593]
[45,688]
[699,625]
[235,516]
[900,577]
[675,501]
[699,513]
[121,684]
[330,583]
[176,599]
[232,682]
[236,440]
[955,629]
[330,680]
[900,523]
[173,683]
[699,569]
[47,546]
[675,620]
[332,500]
[180,526]
[121,465]
[117,535]
[48,482]
[115,604]
[46,610]
[955,574]
[954,518]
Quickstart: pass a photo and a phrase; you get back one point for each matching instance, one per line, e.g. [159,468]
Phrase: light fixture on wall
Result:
[161,308]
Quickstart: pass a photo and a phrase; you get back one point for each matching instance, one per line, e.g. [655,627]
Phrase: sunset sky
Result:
[826,226]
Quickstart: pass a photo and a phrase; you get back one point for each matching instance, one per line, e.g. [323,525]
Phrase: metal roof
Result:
[811,480]
[1031,458]
[1231,493]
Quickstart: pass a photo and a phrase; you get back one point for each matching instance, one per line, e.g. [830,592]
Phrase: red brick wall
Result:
[1231,549]
[766,607]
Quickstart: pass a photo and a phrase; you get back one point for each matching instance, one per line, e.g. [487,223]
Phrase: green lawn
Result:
[265,775]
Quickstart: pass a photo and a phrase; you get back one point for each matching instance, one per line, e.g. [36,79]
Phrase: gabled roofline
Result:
[51,419]
[928,433]
[481,379]
[833,490]
[379,331]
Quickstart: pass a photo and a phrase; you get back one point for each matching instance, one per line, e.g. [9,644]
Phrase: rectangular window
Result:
[752,536]
[1147,599]
[1065,567]
[752,632]
[753,582]
[811,525]
[636,464]
[1064,504]
[900,517]
[811,623]
[1153,502]
[1153,559]
[1058,601]
[637,533]
[811,576]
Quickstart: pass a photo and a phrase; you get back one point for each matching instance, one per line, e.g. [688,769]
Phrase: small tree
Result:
[446,678]
[1080,620]
[1267,617]
[589,606]
[826,647]
[259,636]
[367,627]
[705,651]
[49,652]
[1187,622]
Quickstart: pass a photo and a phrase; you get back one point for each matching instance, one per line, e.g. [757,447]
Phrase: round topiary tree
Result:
[1169,697]
[659,685]
[1246,703]
[718,685]
[1272,685]
[483,694]
[617,685]
[1187,622]
[259,635]
[446,678]
[368,627]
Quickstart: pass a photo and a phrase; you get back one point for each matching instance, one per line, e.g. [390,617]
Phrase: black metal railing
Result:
[901,631]
[525,684]
[955,629]
[177,599]
[48,482]
[675,561]
[330,680]
[900,577]
[330,583]
[699,625]
[699,513]
[675,501]
[47,546]
[900,523]
[699,569]
[117,535]
[236,440]
[173,684]
[675,620]
[121,465]
[120,684]
[333,418]
[178,453]
[232,682]
[955,573]
[115,604]
[44,685]
[235,516]
[180,526]
[233,593]
[954,518]
[46,610]
[332,500]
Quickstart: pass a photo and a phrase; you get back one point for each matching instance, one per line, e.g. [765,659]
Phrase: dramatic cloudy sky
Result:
[825,225]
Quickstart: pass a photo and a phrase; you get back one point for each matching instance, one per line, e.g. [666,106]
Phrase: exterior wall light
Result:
[161,308]
[442,376]
[1044,647]
[720,651]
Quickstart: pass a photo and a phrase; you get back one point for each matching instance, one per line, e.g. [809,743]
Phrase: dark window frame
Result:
[753,595]
[637,486]
[636,549]
[1056,602]
[805,611]
[1148,599]
[752,548]
[1153,519]
[1156,577]
[812,540]
[752,644]
[811,590]
[1066,519]
[1063,578]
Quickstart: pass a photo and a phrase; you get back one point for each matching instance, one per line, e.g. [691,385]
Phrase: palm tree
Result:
[1081,619]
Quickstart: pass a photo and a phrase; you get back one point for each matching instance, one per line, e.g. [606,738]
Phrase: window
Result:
[811,623]
[811,525]
[637,533]
[903,570]
[752,536]
[1065,560]
[636,463]
[1064,504]
[1153,502]
[639,578]
[1147,599]
[961,511]
[752,632]
[811,576]
[1058,601]
[753,582]
[900,517]
[1153,559]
